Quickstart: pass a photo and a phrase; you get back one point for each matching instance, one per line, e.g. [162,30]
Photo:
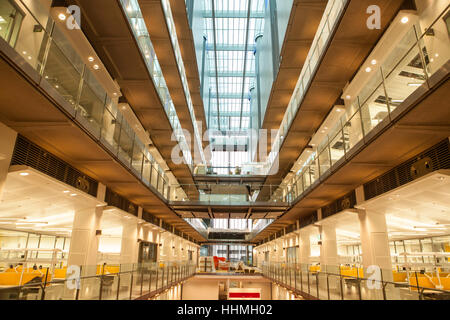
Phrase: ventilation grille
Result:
[115,200]
[226,236]
[346,202]
[435,158]
[279,234]
[177,232]
[166,226]
[291,228]
[147,216]
[306,221]
[29,154]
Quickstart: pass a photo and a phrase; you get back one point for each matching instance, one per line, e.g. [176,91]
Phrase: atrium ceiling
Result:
[230,29]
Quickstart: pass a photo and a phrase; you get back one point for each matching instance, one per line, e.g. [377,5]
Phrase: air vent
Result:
[291,228]
[279,234]
[346,202]
[306,221]
[435,158]
[226,236]
[115,200]
[150,218]
[27,153]
[166,226]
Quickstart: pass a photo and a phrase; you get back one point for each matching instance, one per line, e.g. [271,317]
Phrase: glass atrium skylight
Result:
[230,29]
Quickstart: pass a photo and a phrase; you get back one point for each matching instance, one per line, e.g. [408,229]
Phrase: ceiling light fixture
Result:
[368,69]
[96,66]
[374,62]
[62,16]
[91,59]
[24,174]
[405,20]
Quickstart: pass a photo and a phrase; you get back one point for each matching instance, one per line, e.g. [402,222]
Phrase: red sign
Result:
[244,295]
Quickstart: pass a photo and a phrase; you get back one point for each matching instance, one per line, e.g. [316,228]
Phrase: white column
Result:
[376,254]
[329,259]
[7,143]
[305,249]
[84,242]
[375,241]
[129,245]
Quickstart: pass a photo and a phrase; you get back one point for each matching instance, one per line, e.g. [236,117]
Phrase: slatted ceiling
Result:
[258,215]
[28,154]
[401,175]
[273,215]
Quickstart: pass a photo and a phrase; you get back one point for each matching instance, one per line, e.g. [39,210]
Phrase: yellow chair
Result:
[429,283]
[400,276]
[60,273]
[112,269]
[314,269]
[13,279]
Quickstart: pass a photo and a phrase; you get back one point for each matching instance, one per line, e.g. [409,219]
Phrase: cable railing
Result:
[105,282]
[413,60]
[349,283]
[42,43]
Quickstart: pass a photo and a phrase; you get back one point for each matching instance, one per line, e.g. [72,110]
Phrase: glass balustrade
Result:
[233,194]
[41,42]
[350,283]
[174,39]
[414,59]
[135,18]
[102,282]
[333,12]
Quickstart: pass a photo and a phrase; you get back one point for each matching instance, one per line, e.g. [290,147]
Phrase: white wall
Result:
[201,290]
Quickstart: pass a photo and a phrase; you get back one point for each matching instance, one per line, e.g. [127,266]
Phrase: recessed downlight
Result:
[24,174]
[96,66]
[62,16]
[368,69]
[91,59]
[405,20]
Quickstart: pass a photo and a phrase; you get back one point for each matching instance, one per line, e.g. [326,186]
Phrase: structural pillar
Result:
[84,241]
[376,253]
[329,259]
[129,246]
[305,250]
